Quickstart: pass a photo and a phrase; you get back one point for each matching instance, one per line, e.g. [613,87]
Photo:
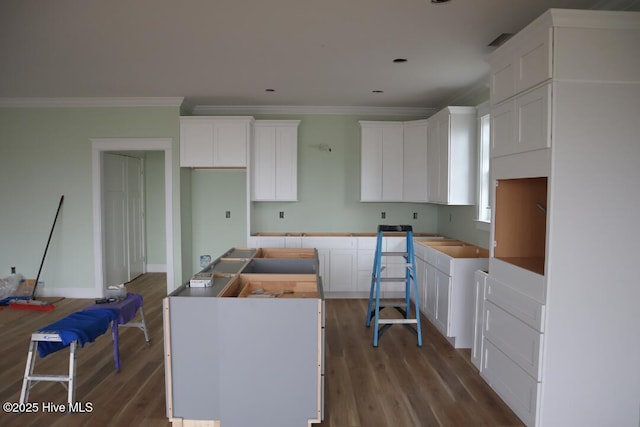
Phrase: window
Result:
[484,205]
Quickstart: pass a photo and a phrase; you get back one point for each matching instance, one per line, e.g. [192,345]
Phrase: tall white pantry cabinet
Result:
[562,309]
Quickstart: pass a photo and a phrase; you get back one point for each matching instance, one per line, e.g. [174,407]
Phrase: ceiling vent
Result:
[500,39]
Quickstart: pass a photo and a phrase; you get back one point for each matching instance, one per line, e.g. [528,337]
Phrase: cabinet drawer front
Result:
[267,242]
[514,385]
[367,242]
[444,262]
[516,339]
[522,307]
[329,242]
[420,250]
[533,111]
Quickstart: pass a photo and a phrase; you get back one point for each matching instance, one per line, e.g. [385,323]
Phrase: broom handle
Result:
[33,294]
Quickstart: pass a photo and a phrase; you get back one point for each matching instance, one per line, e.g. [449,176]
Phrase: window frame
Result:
[483,174]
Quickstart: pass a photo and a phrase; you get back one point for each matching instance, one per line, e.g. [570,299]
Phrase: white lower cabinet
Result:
[430,286]
[517,388]
[479,296]
[343,270]
[512,347]
[324,265]
[449,291]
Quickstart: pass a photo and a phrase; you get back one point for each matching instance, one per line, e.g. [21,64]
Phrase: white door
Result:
[115,220]
[123,219]
[135,203]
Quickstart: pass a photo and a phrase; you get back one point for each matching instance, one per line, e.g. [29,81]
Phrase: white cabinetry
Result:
[415,161]
[480,283]
[451,156]
[274,160]
[381,159]
[214,142]
[449,271]
[338,259]
[564,145]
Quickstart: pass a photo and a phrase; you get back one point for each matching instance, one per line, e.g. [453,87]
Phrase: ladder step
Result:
[392,304]
[396,321]
[47,378]
[393,279]
[402,254]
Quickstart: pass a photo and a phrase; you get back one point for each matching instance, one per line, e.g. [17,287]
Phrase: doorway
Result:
[123,216]
[99,149]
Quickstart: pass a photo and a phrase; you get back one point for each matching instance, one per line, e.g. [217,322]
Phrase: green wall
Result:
[46,152]
[329,184]
[458,222]
[214,192]
[155,235]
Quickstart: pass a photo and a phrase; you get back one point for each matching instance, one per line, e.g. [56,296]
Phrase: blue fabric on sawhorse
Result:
[83,327]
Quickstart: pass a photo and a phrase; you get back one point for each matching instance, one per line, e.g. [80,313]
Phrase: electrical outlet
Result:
[383,215]
[281,214]
[227,214]
[415,215]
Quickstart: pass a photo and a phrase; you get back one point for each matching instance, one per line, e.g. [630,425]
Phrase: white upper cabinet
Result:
[274,160]
[214,142]
[522,124]
[382,160]
[451,156]
[525,64]
[415,161]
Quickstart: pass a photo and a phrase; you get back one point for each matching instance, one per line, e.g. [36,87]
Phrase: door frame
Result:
[100,145]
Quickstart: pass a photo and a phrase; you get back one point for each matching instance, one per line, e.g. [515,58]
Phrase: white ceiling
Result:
[227,52]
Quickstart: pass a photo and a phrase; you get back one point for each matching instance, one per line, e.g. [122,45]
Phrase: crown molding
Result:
[90,102]
[307,109]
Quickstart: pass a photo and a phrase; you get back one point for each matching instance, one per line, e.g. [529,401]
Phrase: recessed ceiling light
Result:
[377,91]
[399,60]
[269,90]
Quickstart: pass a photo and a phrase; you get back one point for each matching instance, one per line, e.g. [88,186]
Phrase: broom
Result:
[29,302]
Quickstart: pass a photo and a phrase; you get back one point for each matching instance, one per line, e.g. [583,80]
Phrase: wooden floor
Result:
[397,384]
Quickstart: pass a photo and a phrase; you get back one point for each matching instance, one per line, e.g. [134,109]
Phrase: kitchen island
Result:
[248,348]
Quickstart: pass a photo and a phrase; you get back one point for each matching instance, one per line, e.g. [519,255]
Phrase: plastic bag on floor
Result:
[8,285]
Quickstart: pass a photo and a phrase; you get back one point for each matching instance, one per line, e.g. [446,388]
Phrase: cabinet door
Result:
[433,161]
[381,167]
[533,119]
[392,164]
[421,278]
[431,294]
[196,143]
[503,129]
[343,270]
[324,265]
[264,161]
[230,142]
[286,164]
[371,164]
[443,302]
[415,162]
[479,281]
[444,160]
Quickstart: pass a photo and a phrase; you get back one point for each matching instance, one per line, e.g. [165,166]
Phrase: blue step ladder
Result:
[409,279]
